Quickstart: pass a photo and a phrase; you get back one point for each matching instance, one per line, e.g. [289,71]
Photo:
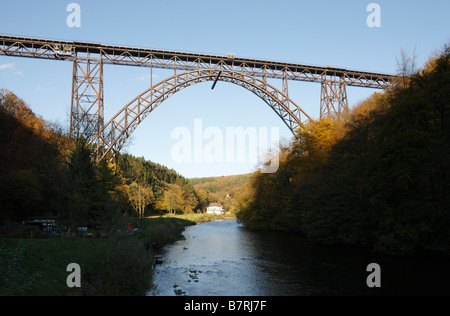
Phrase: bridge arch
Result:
[116,131]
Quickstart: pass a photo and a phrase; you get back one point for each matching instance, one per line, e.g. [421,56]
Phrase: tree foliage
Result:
[380,180]
[31,162]
[161,180]
[43,172]
[223,190]
[140,197]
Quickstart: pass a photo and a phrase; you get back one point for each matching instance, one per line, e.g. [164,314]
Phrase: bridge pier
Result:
[86,112]
[333,99]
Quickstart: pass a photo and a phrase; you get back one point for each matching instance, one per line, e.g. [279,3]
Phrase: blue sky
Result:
[326,32]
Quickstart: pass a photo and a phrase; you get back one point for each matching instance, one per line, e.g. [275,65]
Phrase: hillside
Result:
[222,190]
[44,172]
[171,192]
[32,152]
[380,179]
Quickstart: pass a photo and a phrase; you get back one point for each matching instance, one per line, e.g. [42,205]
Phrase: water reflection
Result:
[225,258]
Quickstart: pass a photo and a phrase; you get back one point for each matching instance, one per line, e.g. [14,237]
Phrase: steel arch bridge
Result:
[87,115]
[115,132]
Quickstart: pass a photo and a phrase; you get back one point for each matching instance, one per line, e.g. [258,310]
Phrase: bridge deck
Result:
[146,57]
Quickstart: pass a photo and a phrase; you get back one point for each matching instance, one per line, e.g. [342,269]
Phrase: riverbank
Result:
[117,265]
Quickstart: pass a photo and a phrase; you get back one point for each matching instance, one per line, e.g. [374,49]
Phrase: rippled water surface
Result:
[225,258]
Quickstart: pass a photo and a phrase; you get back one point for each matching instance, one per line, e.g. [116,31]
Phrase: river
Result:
[224,258]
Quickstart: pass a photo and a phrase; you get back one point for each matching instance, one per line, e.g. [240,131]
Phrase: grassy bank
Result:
[118,265]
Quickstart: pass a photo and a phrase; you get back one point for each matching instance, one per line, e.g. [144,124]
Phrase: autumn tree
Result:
[203,200]
[406,66]
[173,199]
[140,195]
[189,202]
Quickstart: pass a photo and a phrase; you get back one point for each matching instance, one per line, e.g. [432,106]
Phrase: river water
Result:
[224,258]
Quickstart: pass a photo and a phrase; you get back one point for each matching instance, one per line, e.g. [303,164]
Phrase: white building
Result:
[215,208]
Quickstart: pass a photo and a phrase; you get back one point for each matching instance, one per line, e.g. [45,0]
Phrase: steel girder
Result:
[116,132]
[145,57]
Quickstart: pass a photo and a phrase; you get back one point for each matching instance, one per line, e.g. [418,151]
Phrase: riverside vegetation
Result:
[117,265]
[381,179]
[43,172]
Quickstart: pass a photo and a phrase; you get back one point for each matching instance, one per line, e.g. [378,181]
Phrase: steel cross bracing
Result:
[87,91]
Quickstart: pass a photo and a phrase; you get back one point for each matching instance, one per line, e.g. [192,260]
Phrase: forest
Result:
[224,190]
[44,172]
[379,178]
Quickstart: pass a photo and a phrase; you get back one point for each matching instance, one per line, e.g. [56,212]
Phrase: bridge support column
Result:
[285,88]
[86,113]
[333,99]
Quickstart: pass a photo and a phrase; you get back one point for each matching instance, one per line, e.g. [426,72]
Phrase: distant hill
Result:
[222,190]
